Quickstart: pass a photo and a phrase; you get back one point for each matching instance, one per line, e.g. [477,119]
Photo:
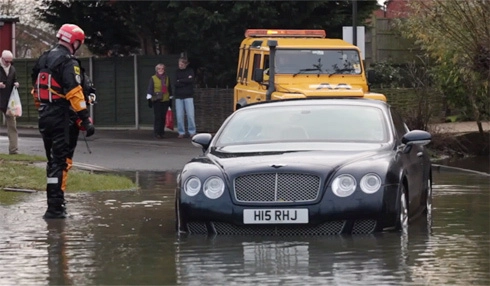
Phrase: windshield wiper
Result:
[307,70]
[341,71]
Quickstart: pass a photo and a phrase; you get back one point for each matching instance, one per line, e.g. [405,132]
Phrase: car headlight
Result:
[214,187]
[344,185]
[192,186]
[370,183]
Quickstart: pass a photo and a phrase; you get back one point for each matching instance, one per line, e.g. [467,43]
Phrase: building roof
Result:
[8,18]
[393,9]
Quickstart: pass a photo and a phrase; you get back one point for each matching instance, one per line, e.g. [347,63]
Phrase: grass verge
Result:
[21,172]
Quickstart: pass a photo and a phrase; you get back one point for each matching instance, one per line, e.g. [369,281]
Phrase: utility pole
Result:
[354,22]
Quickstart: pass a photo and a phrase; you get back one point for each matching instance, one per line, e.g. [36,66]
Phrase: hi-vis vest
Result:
[47,87]
[157,89]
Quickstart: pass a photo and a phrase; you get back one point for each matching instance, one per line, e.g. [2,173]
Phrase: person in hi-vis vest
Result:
[158,96]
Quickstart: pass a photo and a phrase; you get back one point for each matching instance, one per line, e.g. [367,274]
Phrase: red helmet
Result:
[70,33]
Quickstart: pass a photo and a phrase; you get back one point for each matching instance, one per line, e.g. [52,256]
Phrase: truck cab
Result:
[281,64]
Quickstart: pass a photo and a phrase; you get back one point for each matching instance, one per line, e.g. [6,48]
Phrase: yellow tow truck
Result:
[281,64]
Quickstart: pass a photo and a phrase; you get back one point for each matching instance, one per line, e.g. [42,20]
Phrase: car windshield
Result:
[320,123]
[317,62]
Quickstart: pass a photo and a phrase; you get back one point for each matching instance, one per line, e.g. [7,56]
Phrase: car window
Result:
[305,123]
[400,127]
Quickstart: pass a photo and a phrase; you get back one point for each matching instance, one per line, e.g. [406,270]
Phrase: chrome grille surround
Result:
[277,187]
[325,229]
[328,228]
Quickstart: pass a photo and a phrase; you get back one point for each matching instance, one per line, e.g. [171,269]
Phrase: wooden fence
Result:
[121,89]
[385,44]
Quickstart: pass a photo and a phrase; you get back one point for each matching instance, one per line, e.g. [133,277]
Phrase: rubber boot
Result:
[56,202]
[56,209]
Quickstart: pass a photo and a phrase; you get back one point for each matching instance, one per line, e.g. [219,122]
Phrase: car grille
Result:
[277,187]
[327,228]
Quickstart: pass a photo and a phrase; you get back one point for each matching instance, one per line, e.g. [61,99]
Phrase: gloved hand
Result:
[150,104]
[92,97]
[148,96]
[86,125]
[37,103]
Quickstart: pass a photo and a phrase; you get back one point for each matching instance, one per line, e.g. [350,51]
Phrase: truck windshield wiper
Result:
[341,71]
[306,70]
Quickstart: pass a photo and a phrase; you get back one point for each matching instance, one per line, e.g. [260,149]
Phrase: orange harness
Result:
[47,88]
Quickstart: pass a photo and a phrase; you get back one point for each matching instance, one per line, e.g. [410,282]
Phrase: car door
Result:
[412,162]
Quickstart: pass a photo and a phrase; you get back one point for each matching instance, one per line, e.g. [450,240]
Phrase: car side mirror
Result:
[371,76]
[415,137]
[258,75]
[202,140]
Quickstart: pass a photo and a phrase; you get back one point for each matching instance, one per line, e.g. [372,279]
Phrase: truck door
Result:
[246,89]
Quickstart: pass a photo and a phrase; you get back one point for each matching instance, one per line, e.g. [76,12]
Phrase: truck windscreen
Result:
[317,61]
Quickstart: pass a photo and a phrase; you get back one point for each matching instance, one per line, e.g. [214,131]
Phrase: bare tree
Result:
[457,31]
[32,36]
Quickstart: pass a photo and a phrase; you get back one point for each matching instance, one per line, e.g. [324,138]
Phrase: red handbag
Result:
[169,119]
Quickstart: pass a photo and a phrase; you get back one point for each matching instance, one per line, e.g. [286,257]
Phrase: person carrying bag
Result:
[10,106]
[158,96]
[14,107]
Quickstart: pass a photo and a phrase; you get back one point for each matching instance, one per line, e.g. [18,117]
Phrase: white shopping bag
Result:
[14,107]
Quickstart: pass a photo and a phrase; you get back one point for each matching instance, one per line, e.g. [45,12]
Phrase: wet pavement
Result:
[459,127]
[112,149]
[137,149]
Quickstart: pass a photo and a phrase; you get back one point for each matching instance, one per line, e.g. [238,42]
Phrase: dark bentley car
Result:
[306,167]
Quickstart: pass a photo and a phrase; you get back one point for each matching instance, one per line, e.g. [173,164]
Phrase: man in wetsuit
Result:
[58,94]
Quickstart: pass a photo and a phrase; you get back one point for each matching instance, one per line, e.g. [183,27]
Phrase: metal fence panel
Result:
[120,87]
[24,69]
[105,81]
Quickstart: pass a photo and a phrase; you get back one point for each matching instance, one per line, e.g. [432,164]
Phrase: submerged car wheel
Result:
[178,218]
[402,213]
[428,205]
[428,199]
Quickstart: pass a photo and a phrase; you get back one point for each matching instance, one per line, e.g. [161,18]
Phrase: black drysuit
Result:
[57,121]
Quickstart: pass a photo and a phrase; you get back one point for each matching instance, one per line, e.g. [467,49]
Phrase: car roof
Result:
[319,101]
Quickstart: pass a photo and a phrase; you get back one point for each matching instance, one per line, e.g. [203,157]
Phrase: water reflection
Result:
[337,260]
[129,238]
[57,256]
[477,163]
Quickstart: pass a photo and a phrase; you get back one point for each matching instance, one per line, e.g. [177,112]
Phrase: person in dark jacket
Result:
[184,100]
[57,80]
[158,96]
[8,79]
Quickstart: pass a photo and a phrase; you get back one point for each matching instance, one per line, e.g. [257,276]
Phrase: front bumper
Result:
[358,214]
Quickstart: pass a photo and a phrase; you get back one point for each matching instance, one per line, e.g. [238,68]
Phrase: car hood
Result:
[321,90]
[296,160]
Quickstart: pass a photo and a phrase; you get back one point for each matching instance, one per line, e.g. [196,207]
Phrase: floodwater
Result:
[128,238]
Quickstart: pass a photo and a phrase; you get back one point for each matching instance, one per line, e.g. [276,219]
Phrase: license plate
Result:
[273,216]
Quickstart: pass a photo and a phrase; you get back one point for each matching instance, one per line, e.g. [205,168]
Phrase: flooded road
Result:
[129,238]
